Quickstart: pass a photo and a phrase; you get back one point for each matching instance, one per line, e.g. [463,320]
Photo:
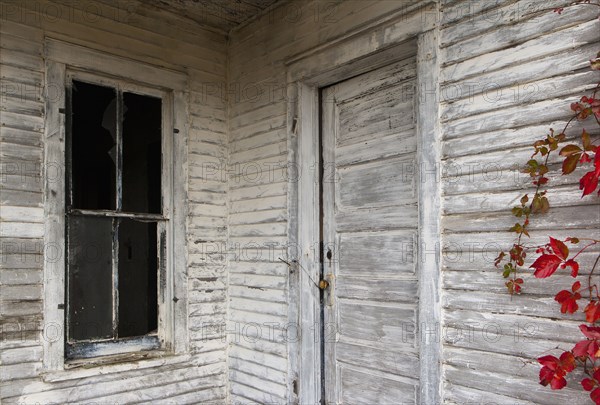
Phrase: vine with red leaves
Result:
[556,254]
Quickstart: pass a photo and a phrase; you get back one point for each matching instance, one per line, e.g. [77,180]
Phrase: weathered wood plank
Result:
[361,386]
[478,23]
[565,61]
[18,136]
[566,217]
[495,97]
[557,41]
[10,57]
[506,35]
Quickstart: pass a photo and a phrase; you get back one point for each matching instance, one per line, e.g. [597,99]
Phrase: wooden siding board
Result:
[554,42]
[511,34]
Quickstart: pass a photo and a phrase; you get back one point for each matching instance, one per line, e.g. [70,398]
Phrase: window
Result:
[115,209]
[115,219]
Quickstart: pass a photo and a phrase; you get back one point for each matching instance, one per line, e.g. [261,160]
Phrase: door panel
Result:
[369,227]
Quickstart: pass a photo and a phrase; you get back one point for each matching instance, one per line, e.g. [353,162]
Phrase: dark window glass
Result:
[142,127]
[115,158]
[90,242]
[93,146]
[138,269]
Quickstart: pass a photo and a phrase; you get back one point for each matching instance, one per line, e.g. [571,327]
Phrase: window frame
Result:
[100,347]
[65,61]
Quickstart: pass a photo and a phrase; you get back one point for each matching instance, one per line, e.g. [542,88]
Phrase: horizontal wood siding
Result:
[155,36]
[510,69]
[258,184]
[508,72]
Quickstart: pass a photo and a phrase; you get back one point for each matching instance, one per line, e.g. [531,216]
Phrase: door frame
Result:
[397,36]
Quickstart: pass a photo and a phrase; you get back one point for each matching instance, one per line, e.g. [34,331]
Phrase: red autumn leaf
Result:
[568,301]
[589,182]
[595,395]
[545,265]
[586,348]
[589,347]
[592,384]
[559,248]
[553,370]
[588,384]
[514,286]
[574,267]
[585,158]
[592,311]
[594,105]
[591,332]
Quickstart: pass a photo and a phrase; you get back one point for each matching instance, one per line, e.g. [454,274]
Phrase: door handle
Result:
[326,285]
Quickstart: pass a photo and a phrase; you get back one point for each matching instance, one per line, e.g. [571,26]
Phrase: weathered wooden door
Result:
[369,232]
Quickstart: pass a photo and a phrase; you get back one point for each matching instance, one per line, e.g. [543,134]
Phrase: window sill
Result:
[83,368]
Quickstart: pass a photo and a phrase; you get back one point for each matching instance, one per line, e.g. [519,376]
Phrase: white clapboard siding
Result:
[490,340]
[509,69]
[21,212]
[148,35]
[258,138]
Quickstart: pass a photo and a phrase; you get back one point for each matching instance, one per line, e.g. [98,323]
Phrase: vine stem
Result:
[590,286]
[537,190]
[584,248]
[594,95]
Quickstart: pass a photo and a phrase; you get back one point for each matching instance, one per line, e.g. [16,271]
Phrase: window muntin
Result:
[114,217]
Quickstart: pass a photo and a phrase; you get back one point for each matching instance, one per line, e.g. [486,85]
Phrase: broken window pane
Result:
[138,269]
[90,277]
[93,146]
[115,159]
[142,123]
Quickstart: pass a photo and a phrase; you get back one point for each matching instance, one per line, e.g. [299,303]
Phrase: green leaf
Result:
[508,268]
[517,228]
